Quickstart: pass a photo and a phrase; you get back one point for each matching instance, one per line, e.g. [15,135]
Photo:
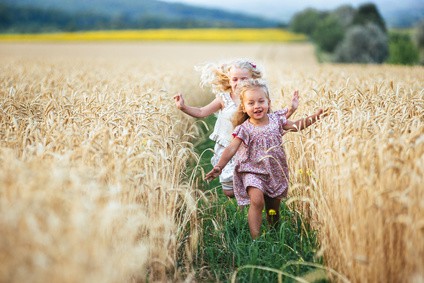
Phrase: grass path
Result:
[226,245]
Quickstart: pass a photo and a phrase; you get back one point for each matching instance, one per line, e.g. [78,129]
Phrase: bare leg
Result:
[254,215]
[272,206]
[229,193]
[227,188]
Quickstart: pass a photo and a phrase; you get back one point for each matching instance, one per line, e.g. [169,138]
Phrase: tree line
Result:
[358,35]
[32,19]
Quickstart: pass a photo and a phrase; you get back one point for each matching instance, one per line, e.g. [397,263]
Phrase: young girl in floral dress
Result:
[261,172]
[224,80]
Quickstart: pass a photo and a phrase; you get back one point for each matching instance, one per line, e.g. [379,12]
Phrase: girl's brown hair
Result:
[240,116]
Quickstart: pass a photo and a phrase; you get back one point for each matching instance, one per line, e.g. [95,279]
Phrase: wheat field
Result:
[94,184]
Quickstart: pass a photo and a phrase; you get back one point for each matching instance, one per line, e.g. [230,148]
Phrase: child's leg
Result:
[272,206]
[226,177]
[227,188]
[254,215]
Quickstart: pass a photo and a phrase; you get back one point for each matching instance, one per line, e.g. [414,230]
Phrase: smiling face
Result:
[236,75]
[256,104]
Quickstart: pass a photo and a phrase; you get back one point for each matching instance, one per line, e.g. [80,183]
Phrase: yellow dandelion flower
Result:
[300,172]
[272,212]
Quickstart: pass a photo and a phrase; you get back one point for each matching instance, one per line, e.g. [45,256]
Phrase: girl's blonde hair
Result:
[240,116]
[218,76]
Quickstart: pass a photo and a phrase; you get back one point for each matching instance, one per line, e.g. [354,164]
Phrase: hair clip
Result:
[253,65]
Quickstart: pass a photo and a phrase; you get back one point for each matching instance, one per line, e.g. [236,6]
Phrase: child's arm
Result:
[294,105]
[227,154]
[304,122]
[197,112]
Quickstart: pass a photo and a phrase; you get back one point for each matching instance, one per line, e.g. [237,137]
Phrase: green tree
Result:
[419,36]
[306,21]
[402,50]
[368,13]
[345,15]
[328,33]
[363,44]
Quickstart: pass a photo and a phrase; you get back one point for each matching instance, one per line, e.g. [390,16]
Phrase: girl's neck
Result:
[259,122]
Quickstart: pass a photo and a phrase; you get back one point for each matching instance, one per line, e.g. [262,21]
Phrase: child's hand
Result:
[215,172]
[295,100]
[322,113]
[179,101]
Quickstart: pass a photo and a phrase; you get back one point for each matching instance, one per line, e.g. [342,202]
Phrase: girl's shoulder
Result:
[243,132]
[225,97]
[280,112]
[246,126]
[279,116]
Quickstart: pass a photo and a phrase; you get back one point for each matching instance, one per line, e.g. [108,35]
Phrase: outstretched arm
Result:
[294,105]
[197,112]
[227,154]
[304,122]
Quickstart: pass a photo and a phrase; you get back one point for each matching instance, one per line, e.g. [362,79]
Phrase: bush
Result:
[419,36]
[368,13]
[306,21]
[345,15]
[363,44]
[402,50]
[328,33]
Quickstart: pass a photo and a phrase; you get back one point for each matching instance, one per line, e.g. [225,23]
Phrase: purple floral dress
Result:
[261,160]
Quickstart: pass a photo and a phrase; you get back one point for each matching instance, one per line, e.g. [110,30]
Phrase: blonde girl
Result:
[224,80]
[261,173]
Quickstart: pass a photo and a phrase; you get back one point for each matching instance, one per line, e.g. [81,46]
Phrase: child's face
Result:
[237,75]
[256,104]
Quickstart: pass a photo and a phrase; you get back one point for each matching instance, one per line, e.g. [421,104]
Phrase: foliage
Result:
[402,49]
[368,13]
[420,34]
[420,40]
[363,44]
[345,34]
[306,21]
[345,15]
[328,33]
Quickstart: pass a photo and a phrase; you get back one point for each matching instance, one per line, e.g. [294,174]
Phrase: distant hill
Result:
[53,15]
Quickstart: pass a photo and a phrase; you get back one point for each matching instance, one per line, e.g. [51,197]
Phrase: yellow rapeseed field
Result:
[94,185]
[244,35]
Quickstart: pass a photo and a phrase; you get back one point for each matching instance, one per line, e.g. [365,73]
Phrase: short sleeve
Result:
[281,115]
[241,132]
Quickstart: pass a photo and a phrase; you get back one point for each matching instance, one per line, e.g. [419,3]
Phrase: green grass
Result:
[285,252]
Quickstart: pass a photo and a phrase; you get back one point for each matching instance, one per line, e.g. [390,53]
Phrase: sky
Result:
[283,10]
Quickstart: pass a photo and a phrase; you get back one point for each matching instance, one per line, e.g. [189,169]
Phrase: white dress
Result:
[222,135]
